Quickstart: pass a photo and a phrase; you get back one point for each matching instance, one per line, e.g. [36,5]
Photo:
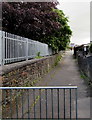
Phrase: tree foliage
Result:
[39,21]
[90,48]
[64,33]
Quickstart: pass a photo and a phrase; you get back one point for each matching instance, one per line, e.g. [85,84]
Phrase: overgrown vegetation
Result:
[87,80]
[40,21]
[57,60]
[90,48]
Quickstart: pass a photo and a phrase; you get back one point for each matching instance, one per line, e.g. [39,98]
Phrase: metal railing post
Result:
[34,102]
[16,105]
[58,102]
[28,105]
[70,104]
[40,101]
[3,48]
[27,49]
[76,105]
[46,102]
[10,103]
[22,100]
[64,104]
[52,101]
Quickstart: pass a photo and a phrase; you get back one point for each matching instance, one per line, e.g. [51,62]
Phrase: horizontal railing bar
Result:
[19,57]
[15,39]
[43,87]
[32,42]
[15,58]
[31,56]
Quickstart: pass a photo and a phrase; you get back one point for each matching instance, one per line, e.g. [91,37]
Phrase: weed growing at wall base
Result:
[57,60]
[38,56]
[87,80]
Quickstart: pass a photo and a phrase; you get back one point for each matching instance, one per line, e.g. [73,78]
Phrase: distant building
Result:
[72,45]
[81,49]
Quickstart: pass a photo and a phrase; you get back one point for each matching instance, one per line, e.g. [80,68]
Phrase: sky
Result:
[79,19]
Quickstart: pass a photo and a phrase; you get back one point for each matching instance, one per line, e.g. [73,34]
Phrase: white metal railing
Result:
[15,48]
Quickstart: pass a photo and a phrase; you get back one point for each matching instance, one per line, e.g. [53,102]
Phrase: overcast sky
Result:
[79,17]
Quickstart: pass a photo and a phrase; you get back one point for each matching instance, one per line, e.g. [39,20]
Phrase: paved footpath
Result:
[67,73]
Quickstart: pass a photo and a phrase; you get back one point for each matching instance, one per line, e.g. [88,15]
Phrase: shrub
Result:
[90,48]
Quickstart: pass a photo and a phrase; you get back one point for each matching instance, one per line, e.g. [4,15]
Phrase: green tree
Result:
[63,35]
[40,21]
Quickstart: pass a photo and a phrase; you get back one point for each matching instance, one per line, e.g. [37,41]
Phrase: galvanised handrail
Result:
[42,87]
[50,95]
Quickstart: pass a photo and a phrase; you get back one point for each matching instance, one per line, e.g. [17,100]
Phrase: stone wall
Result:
[23,74]
[85,65]
[27,73]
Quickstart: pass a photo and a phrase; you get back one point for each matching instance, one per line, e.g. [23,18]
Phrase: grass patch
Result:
[38,57]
